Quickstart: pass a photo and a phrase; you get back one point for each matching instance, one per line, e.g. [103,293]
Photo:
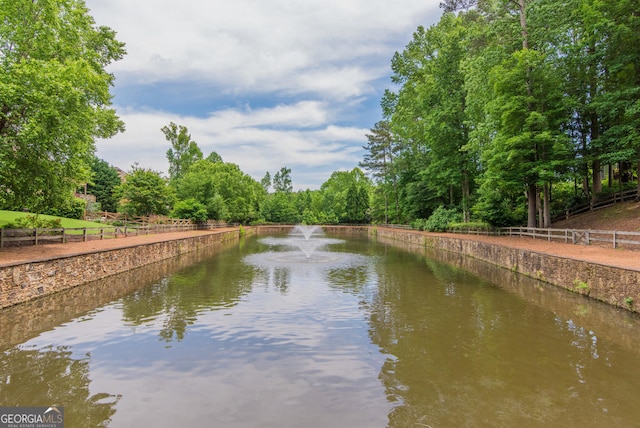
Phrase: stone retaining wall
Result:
[23,282]
[615,286]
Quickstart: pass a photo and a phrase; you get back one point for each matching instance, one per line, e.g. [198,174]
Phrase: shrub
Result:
[418,224]
[191,209]
[35,222]
[475,225]
[441,218]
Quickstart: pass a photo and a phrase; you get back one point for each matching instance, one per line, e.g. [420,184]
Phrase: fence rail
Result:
[576,236]
[615,198]
[614,238]
[21,237]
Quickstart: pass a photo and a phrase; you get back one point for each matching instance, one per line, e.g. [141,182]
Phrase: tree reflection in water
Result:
[51,376]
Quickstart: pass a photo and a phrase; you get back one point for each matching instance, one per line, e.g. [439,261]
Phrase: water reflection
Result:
[179,299]
[465,354]
[51,375]
[248,336]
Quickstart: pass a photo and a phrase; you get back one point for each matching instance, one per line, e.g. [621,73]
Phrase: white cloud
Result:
[259,45]
[257,140]
[302,70]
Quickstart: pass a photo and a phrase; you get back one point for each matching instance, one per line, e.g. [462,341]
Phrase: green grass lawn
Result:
[7,217]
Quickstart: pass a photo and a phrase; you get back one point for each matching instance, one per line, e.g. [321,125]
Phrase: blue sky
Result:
[264,83]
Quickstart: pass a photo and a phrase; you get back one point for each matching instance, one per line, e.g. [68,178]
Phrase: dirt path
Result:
[49,251]
[627,259]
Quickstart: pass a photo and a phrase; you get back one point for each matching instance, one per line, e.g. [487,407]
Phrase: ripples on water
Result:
[348,334]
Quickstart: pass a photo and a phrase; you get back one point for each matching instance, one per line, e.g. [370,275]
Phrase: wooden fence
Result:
[614,238]
[607,201]
[21,237]
[108,217]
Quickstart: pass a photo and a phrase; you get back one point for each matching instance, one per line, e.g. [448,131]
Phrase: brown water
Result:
[359,334]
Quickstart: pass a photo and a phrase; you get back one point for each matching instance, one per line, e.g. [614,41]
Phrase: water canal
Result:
[342,332]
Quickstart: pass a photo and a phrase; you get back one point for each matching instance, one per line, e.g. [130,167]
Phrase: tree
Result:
[430,111]
[104,180]
[279,208]
[54,99]
[214,157]
[226,192]
[183,152]
[345,196]
[144,192]
[282,180]
[266,181]
[199,183]
[190,209]
[381,150]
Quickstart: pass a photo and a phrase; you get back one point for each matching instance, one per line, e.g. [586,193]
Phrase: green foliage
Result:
[144,192]
[183,152]
[190,209]
[499,207]
[477,226]
[72,208]
[226,192]
[419,224]
[345,197]
[35,222]
[282,180]
[104,180]
[503,106]
[279,208]
[54,99]
[441,218]
[581,286]
[7,217]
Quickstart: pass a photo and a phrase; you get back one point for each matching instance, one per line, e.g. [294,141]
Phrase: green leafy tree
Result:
[280,208]
[199,183]
[345,197]
[54,99]
[379,160]
[104,181]
[430,111]
[266,181]
[144,192]
[183,152]
[282,180]
[214,157]
[227,192]
[190,209]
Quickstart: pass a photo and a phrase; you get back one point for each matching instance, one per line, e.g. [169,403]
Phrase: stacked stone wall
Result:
[23,282]
[615,286]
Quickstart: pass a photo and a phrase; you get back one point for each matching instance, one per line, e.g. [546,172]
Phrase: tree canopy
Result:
[54,99]
[505,106]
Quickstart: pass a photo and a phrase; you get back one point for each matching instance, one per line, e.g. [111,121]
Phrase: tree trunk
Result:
[546,205]
[610,175]
[386,207]
[539,208]
[531,196]
[466,212]
[597,180]
[523,25]
[638,192]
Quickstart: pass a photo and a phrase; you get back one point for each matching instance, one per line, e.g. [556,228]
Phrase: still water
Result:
[350,333]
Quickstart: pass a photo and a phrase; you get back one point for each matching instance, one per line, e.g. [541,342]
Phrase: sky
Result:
[265,84]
